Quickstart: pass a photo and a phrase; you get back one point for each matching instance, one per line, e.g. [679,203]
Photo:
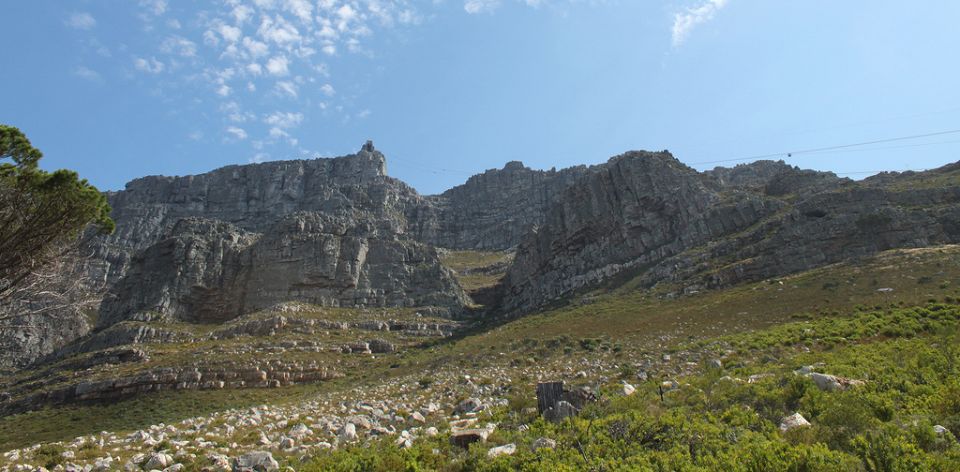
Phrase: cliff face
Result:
[637,210]
[208,271]
[495,209]
[648,216]
[213,246]
[251,197]
[339,232]
[210,247]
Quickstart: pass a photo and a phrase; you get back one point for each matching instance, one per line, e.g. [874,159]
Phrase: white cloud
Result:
[302,9]
[278,30]
[256,48]
[155,7]
[234,113]
[686,21]
[87,74]
[81,21]
[283,120]
[241,13]
[151,65]
[178,45]
[229,33]
[287,88]
[237,133]
[480,6]
[249,52]
[195,135]
[258,158]
[278,66]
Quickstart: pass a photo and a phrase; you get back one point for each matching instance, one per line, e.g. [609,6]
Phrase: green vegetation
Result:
[909,358]
[477,270]
[67,422]
[41,213]
[836,313]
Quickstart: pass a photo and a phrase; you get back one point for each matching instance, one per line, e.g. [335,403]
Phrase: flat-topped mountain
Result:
[339,232]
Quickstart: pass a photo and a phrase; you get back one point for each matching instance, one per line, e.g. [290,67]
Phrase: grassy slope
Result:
[470,265]
[636,322]
[909,358]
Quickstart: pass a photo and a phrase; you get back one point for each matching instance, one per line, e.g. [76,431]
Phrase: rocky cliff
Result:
[495,209]
[209,247]
[208,271]
[341,233]
[647,216]
[635,211]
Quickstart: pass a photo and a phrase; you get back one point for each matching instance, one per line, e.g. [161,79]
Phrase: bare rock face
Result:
[649,216]
[637,210]
[211,246]
[210,272]
[775,178]
[495,209]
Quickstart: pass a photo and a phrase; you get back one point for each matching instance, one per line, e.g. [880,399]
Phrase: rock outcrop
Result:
[495,209]
[210,272]
[634,212]
[340,233]
[648,216]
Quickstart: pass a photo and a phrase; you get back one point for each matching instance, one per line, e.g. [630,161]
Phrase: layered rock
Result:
[637,210]
[211,272]
[495,209]
[648,216]
[251,197]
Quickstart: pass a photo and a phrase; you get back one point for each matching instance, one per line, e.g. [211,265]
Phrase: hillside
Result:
[240,302]
[848,317]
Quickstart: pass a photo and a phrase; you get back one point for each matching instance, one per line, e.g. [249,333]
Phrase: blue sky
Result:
[117,89]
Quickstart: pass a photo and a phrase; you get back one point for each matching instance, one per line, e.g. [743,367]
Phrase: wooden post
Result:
[548,394]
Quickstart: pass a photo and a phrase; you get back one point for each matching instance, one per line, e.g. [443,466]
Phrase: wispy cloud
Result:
[280,119]
[238,133]
[81,21]
[684,22]
[87,74]
[151,65]
[242,55]
[480,6]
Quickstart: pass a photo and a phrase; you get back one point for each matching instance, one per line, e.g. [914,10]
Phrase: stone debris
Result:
[258,461]
[543,443]
[793,421]
[505,450]
[833,383]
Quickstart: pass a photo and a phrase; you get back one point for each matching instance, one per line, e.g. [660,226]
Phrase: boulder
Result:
[560,411]
[465,437]
[505,450]
[300,431]
[380,346]
[258,461]
[348,432]
[470,405]
[158,460]
[832,383]
[543,443]
[793,421]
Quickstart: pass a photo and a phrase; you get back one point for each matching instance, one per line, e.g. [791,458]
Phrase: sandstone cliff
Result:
[647,216]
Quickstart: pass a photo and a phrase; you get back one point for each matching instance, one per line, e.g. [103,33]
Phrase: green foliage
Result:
[40,212]
[49,455]
[908,358]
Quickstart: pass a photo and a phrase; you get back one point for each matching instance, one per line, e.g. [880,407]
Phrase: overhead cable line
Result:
[829,148]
